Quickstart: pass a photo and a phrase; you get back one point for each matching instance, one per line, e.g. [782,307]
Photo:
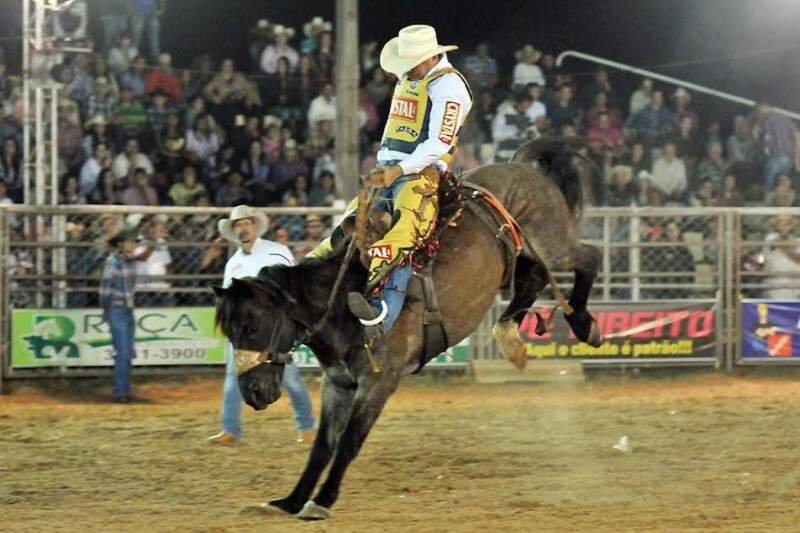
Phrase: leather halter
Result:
[247,359]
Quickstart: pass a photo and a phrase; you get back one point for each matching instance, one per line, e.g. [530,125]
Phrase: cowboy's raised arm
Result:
[450,103]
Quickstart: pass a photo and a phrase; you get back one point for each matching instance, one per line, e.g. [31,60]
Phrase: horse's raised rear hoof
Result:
[506,333]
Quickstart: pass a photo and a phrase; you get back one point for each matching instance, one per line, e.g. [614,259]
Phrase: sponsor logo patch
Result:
[381,251]
[404,108]
[447,132]
[406,129]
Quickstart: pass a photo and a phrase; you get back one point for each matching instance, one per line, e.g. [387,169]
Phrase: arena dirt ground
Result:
[709,452]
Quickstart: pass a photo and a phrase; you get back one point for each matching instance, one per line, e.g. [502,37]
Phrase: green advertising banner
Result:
[80,337]
[171,336]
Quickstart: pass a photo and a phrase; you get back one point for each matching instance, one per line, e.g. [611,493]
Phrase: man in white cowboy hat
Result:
[245,227]
[431,101]
[280,48]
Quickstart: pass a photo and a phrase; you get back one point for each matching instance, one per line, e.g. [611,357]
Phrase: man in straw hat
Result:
[244,228]
[431,101]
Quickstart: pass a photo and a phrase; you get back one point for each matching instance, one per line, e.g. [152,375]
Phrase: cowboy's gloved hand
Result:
[384,176]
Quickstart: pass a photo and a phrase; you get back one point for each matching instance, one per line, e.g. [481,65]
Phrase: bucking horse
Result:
[535,199]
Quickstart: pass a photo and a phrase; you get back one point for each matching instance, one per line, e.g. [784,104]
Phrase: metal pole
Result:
[607,256]
[5,337]
[26,100]
[347,76]
[669,79]
[633,261]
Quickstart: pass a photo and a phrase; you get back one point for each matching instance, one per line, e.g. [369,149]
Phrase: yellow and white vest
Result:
[409,115]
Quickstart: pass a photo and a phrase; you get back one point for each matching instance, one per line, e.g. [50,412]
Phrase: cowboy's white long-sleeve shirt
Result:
[449,87]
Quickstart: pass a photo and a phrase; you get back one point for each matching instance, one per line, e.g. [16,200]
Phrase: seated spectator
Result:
[295,225]
[171,143]
[135,78]
[641,97]
[323,194]
[11,169]
[315,229]
[255,170]
[140,192]
[599,84]
[80,87]
[526,70]
[669,173]
[280,235]
[234,192]
[197,79]
[201,141]
[287,168]
[480,69]
[185,192]
[102,101]
[653,123]
[325,162]
[8,127]
[129,160]
[783,260]
[90,171]
[108,190]
[604,134]
[368,116]
[781,139]
[308,80]
[215,174]
[564,111]
[537,108]
[323,107]
[324,55]
[647,195]
[70,140]
[730,196]
[122,56]
[379,90]
[280,48]
[601,106]
[369,56]
[742,146]
[130,114]
[704,196]
[712,166]
[228,92]
[784,194]
[688,140]
[71,193]
[158,111]
[271,142]
[166,79]
[681,98]
[620,192]
[299,190]
[511,127]
[675,258]
[639,159]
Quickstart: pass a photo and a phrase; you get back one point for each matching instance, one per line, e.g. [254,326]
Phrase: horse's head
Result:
[256,319]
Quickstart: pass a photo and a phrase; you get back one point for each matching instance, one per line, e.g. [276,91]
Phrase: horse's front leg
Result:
[373,391]
[337,404]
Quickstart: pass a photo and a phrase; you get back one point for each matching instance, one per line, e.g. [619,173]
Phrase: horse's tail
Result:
[559,158]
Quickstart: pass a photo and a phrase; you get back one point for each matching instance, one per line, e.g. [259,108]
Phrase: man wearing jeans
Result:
[116,299]
[147,13]
[244,228]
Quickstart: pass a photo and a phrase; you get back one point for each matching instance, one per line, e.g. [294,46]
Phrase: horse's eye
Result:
[250,330]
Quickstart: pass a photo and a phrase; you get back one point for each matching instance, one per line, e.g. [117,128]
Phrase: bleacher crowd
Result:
[259,129]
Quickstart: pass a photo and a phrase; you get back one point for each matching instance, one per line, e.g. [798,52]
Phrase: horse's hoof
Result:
[506,333]
[595,337]
[283,505]
[261,509]
[312,511]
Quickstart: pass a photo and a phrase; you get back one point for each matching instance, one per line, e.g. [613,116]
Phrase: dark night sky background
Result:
[638,32]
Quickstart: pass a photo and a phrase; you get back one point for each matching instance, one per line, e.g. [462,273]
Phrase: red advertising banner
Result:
[630,331]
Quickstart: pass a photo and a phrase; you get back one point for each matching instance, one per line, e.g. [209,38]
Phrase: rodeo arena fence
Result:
[678,286]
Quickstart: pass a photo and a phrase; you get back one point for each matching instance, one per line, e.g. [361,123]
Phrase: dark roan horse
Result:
[540,188]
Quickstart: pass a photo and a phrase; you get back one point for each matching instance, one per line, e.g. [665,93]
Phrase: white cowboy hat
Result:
[280,29]
[239,212]
[413,45]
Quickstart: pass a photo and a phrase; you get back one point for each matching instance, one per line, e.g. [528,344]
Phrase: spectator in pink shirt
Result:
[605,135]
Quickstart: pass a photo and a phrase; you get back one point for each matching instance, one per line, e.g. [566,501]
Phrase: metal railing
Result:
[52,258]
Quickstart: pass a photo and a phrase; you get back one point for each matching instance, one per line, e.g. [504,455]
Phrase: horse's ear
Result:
[218,290]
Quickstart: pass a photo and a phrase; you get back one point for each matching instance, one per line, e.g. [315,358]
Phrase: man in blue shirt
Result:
[116,298]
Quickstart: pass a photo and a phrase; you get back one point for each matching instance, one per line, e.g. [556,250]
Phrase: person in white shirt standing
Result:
[244,227]
[430,103]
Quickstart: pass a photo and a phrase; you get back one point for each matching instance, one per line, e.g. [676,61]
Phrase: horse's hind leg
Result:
[529,280]
[337,404]
[587,263]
